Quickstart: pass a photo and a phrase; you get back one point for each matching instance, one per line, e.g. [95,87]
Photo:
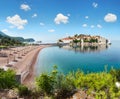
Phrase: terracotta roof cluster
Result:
[67,39]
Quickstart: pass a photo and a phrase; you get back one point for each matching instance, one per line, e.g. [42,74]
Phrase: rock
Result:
[12,94]
[3,98]
[81,95]
[117,84]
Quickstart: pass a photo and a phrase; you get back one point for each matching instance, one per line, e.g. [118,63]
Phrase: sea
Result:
[85,58]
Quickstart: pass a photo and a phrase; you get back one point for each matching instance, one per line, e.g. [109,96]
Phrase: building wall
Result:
[102,40]
[66,41]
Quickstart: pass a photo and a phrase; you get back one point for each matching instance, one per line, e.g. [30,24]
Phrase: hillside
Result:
[29,40]
[21,39]
[3,34]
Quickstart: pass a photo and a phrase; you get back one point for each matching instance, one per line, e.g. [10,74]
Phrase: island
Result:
[84,40]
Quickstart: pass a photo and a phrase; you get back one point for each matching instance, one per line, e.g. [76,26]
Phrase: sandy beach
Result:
[31,60]
[22,60]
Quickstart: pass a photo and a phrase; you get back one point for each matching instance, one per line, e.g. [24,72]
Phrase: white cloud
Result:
[86,17]
[60,18]
[34,15]
[4,30]
[51,30]
[94,4]
[84,25]
[20,27]
[99,26]
[110,17]
[42,24]
[92,26]
[25,7]
[16,21]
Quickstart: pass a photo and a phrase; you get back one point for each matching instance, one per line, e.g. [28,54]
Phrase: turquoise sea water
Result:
[88,59]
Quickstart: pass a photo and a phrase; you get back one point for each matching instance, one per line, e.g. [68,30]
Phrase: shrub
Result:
[45,83]
[102,84]
[115,74]
[55,83]
[23,90]
[7,79]
[64,86]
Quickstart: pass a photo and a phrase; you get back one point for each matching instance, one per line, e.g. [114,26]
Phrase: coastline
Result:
[30,78]
[22,60]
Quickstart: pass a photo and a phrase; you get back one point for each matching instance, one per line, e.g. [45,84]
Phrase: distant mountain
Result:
[29,40]
[21,39]
[3,34]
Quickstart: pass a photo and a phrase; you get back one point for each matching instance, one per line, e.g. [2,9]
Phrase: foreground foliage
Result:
[59,86]
[7,79]
[100,85]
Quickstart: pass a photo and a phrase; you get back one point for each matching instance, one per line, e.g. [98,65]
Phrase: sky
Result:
[50,20]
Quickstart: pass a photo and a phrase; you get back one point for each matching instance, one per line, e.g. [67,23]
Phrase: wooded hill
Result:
[11,41]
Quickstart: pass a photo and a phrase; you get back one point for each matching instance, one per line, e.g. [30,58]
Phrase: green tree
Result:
[45,83]
[60,40]
[76,41]
[7,79]
[23,90]
[101,84]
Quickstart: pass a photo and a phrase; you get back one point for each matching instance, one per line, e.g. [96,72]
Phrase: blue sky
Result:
[49,20]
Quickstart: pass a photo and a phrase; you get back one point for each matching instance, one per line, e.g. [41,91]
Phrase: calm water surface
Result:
[88,59]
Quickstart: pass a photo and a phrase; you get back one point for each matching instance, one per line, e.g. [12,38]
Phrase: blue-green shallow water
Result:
[74,59]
